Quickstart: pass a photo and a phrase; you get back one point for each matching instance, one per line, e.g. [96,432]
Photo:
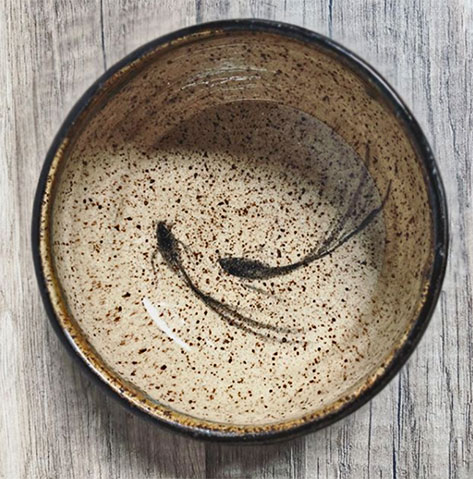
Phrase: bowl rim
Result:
[435,190]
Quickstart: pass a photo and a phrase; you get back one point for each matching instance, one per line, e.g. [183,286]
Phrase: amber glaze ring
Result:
[386,135]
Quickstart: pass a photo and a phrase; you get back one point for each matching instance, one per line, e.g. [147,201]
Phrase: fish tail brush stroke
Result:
[253,269]
[168,247]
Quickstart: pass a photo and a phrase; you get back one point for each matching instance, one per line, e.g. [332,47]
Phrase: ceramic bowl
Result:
[240,231]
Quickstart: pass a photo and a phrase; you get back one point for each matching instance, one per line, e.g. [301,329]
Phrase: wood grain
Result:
[54,423]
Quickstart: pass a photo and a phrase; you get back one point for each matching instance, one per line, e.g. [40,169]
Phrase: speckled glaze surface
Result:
[239,233]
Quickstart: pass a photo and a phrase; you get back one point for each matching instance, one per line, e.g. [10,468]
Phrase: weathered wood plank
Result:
[46,68]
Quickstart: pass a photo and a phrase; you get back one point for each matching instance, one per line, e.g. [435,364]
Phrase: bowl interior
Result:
[239,231]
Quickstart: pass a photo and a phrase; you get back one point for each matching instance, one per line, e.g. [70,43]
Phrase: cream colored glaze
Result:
[236,173]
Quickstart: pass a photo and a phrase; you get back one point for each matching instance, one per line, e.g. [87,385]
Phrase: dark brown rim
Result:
[436,195]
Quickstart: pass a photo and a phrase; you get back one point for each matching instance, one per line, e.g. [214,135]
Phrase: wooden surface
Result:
[54,423]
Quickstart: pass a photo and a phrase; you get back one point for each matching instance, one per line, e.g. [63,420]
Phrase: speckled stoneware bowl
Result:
[241,231]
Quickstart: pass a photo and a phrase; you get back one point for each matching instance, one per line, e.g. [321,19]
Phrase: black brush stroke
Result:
[168,246]
[254,269]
